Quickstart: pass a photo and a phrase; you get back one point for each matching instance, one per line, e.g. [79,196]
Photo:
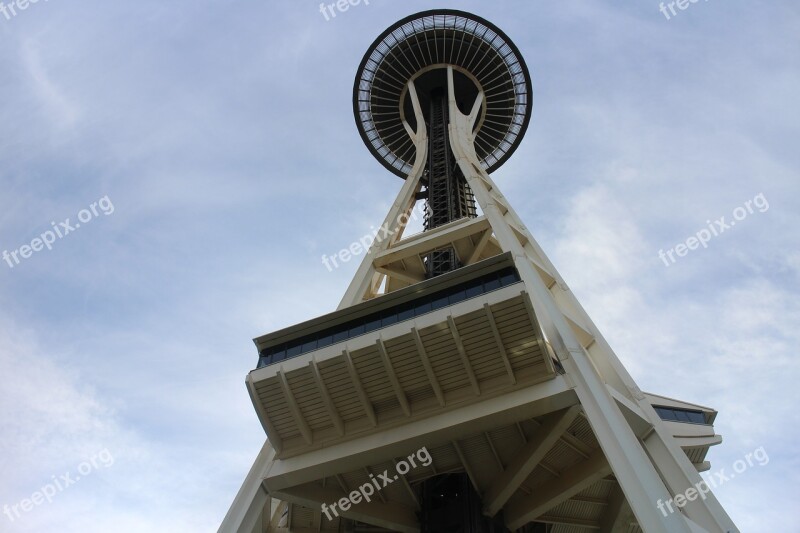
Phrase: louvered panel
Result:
[486,361]
[481,460]
[341,389]
[388,407]
[509,310]
[401,343]
[561,457]
[518,336]
[516,323]
[281,421]
[523,343]
[480,344]
[439,456]
[271,396]
[508,443]
[581,430]
[309,400]
[539,477]
[302,517]
[561,528]
[480,339]
[395,491]
[470,320]
[520,343]
[372,374]
[600,490]
[354,479]
[635,528]
[444,356]
[419,395]
[407,365]
[696,455]
[578,509]
[277,409]
[444,459]
[501,307]
[524,354]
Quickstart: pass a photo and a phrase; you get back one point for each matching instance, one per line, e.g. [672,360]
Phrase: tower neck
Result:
[449,197]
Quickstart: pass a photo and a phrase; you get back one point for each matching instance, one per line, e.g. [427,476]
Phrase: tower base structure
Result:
[482,399]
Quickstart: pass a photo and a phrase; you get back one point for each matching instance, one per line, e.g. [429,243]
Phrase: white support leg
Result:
[365,276]
[640,481]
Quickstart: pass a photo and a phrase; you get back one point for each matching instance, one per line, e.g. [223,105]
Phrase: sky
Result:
[206,157]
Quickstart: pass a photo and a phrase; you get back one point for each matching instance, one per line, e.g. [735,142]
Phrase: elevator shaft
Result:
[448,194]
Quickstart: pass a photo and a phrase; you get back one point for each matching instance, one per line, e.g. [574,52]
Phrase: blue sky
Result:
[222,134]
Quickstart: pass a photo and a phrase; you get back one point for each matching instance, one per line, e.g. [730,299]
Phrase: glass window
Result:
[681,415]
[696,417]
[425,304]
[406,313]
[310,345]
[508,279]
[325,340]
[457,296]
[439,301]
[294,350]
[372,324]
[422,307]
[665,413]
[491,284]
[475,288]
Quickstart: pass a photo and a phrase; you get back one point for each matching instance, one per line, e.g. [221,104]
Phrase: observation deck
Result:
[418,49]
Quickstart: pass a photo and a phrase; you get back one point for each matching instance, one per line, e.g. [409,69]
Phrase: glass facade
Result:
[387,317]
[673,414]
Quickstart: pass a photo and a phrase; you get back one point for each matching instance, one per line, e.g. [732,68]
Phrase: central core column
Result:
[448,196]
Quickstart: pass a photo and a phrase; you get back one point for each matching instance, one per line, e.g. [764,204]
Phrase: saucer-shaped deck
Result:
[419,48]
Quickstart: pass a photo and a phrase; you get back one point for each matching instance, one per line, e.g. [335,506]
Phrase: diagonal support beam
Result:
[326,398]
[479,247]
[554,425]
[371,475]
[426,364]
[408,277]
[501,349]
[364,282]
[467,468]
[362,394]
[408,487]
[464,357]
[618,516]
[282,509]
[521,511]
[305,430]
[398,389]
